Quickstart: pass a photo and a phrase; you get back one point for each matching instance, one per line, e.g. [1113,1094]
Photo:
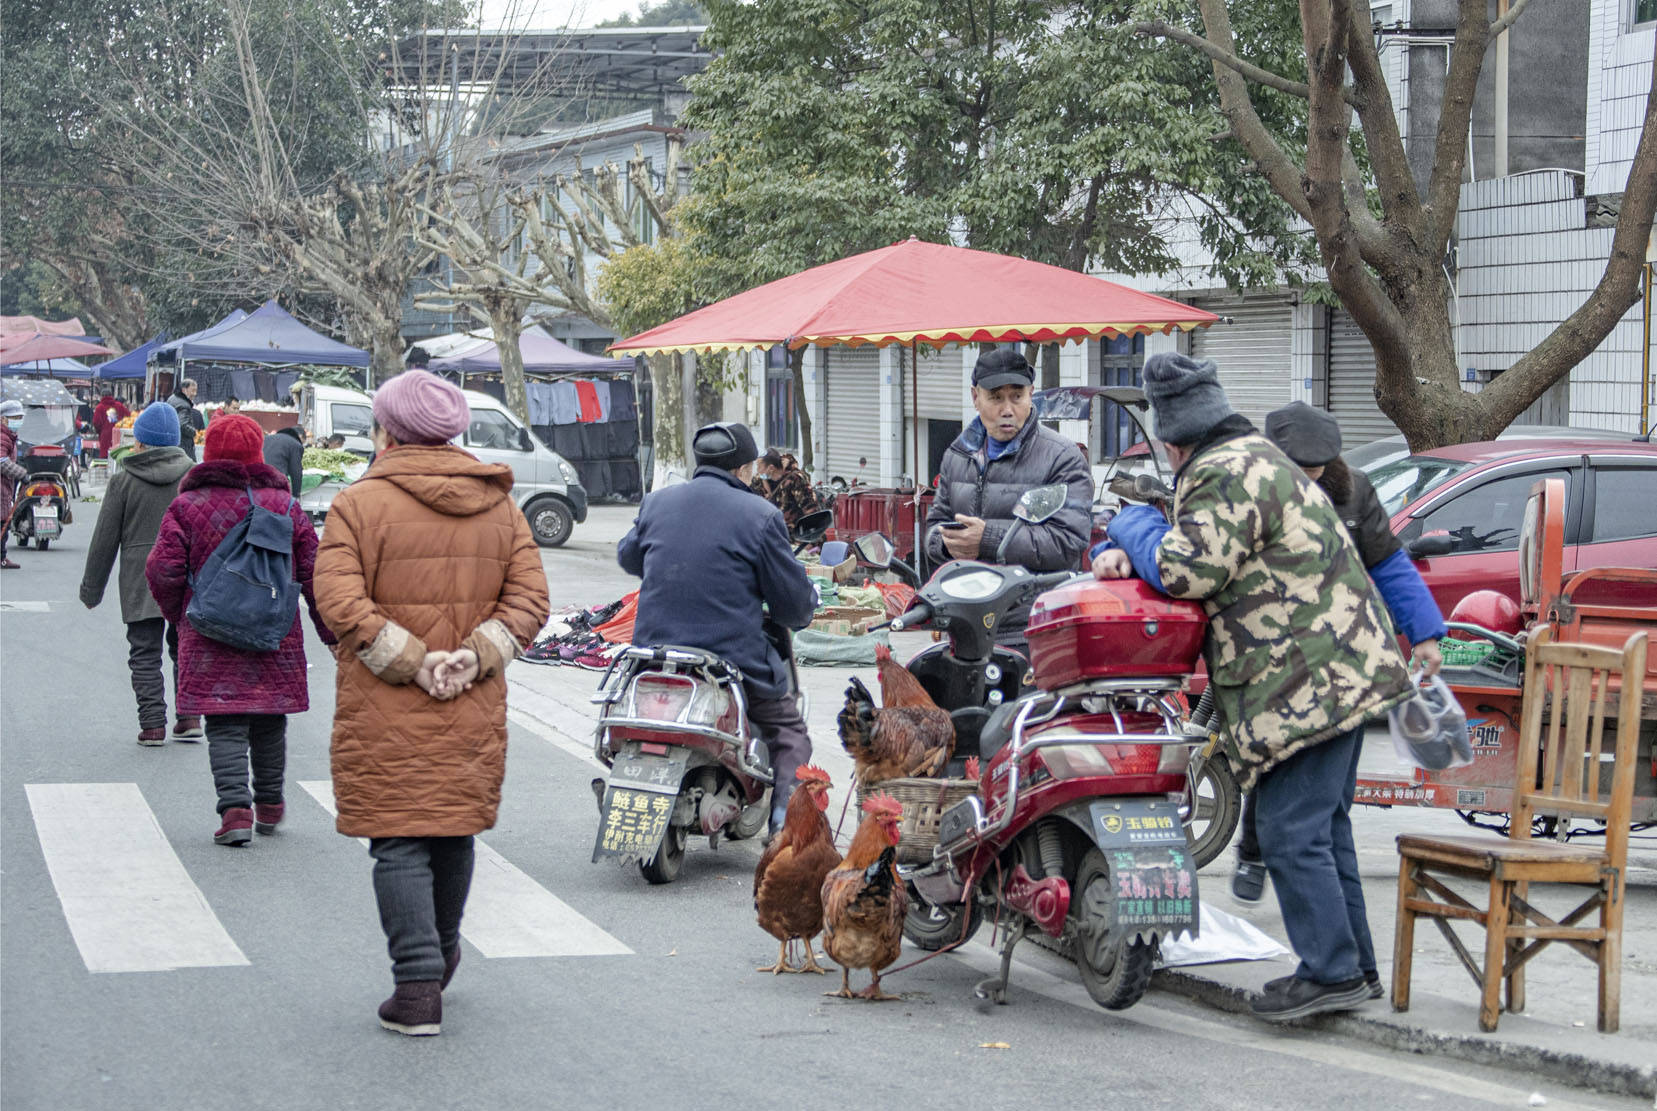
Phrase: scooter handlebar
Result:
[918,614]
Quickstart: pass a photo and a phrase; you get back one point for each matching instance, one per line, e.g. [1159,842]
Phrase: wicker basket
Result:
[924,801]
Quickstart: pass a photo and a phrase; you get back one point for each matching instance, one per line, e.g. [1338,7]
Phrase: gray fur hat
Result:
[1186,397]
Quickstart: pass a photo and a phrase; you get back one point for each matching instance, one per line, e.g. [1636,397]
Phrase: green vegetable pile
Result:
[332,460]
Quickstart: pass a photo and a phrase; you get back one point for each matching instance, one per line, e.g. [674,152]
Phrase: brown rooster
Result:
[909,735]
[788,884]
[864,901]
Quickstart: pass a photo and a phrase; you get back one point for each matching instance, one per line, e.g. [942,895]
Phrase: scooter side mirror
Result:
[810,528]
[1041,503]
[874,549]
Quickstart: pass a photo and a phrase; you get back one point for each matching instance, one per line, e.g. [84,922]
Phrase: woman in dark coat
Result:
[245,696]
[128,522]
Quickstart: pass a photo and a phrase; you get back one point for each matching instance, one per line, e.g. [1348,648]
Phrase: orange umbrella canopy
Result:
[914,292]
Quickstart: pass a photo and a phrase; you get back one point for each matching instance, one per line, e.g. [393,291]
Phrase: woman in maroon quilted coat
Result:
[245,696]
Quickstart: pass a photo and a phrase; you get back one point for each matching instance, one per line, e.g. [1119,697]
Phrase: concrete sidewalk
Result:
[1556,1036]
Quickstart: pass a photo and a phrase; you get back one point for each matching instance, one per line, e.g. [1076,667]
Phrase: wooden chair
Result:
[1565,695]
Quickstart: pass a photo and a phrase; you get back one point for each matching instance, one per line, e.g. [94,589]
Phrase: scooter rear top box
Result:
[1112,629]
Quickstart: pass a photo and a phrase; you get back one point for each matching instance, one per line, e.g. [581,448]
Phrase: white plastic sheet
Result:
[1223,937]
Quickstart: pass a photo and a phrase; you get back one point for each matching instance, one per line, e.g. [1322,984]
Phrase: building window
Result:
[782,420]
[1645,11]
[1120,360]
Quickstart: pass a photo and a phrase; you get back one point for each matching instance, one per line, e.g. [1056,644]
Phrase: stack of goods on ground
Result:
[586,638]
[839,633]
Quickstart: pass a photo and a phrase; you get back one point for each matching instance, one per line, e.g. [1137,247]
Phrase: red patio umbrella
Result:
[912,293]
[36,346]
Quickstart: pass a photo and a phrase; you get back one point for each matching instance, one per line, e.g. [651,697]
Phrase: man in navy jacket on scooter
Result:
[711,553]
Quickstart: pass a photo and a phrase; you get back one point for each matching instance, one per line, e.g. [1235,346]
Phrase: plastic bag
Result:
[813,647]
[1430,730]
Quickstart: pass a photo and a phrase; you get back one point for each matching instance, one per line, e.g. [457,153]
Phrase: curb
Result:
[1572,1069]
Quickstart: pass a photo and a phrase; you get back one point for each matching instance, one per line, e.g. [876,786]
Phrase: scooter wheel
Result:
[931,926]
[1115,969]
[670,857]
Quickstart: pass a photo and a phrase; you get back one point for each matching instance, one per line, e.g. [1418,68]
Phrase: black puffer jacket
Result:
[285,451]
[979,487]
[1361,512]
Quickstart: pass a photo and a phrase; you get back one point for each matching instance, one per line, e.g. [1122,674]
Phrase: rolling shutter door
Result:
[1352,384]
[852,430]
[1252,352]
[942,395]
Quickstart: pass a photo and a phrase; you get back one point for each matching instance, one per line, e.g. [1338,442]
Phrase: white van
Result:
[544,484]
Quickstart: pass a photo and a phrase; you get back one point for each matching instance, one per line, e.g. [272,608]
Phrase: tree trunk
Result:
[667,424]
[506,320]
[796,366]
[385,351]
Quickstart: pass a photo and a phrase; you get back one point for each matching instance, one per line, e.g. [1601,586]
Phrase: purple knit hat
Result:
[418,407]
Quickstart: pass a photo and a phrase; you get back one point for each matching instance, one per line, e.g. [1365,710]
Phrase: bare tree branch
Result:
[1507,20]
[1223,56]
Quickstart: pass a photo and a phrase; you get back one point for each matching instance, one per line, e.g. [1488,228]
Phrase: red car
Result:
[1458,509]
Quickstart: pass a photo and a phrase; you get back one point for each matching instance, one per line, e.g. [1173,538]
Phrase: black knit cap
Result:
[727,445]
[1307,435]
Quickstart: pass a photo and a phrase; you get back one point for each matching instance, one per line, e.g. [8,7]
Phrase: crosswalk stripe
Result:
[510,915]
[130,905]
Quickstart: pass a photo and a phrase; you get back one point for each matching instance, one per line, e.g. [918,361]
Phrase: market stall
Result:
[249,356]
[583,406]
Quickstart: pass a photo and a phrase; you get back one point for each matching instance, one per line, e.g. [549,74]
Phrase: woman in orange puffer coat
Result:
[431,580]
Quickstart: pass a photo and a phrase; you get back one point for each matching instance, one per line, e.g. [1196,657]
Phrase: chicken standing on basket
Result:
[908,736]
[788,884]
[864,901]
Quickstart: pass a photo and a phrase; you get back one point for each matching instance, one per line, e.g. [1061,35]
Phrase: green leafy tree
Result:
[1038,128]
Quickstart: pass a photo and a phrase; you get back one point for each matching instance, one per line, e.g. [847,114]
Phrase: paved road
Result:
[145,967]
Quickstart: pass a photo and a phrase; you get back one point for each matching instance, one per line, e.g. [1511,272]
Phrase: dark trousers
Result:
[421,885]
[144,641]
[236,740]
[1248,845]
[780,726]
[1305,827]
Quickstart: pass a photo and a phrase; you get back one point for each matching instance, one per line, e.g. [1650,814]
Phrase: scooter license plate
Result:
[639,796]
[1145,844]
[46,522]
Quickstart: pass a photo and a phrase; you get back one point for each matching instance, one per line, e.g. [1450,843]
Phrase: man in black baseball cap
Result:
[711,555]
[991,464]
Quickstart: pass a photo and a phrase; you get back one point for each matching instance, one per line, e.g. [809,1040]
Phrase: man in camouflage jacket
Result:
[1299,651]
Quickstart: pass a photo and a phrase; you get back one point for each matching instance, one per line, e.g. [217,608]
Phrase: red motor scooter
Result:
[1077,826]
[673,730]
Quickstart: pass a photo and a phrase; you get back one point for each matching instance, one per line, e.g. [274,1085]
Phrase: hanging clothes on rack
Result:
[588,395]
[566,403]
[601,387]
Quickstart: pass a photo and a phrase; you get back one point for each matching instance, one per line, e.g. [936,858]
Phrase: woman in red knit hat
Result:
[245,696]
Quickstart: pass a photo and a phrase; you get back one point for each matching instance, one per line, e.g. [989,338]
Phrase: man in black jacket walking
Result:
[711,554]
[183,401]
[285,450]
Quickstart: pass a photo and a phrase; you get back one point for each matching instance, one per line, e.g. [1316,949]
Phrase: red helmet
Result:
[1489,609]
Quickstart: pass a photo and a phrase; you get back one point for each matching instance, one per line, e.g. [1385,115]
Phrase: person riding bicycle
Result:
[710,555]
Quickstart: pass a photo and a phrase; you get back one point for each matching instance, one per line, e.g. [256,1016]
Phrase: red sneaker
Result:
[188,729]
[267,816]
[237,828]
[152,737]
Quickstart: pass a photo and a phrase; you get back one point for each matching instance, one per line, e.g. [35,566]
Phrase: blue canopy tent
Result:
[267,337]
[55,368]
[131,365]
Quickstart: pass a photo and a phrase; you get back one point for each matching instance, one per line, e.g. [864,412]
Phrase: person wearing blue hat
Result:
[128,523]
